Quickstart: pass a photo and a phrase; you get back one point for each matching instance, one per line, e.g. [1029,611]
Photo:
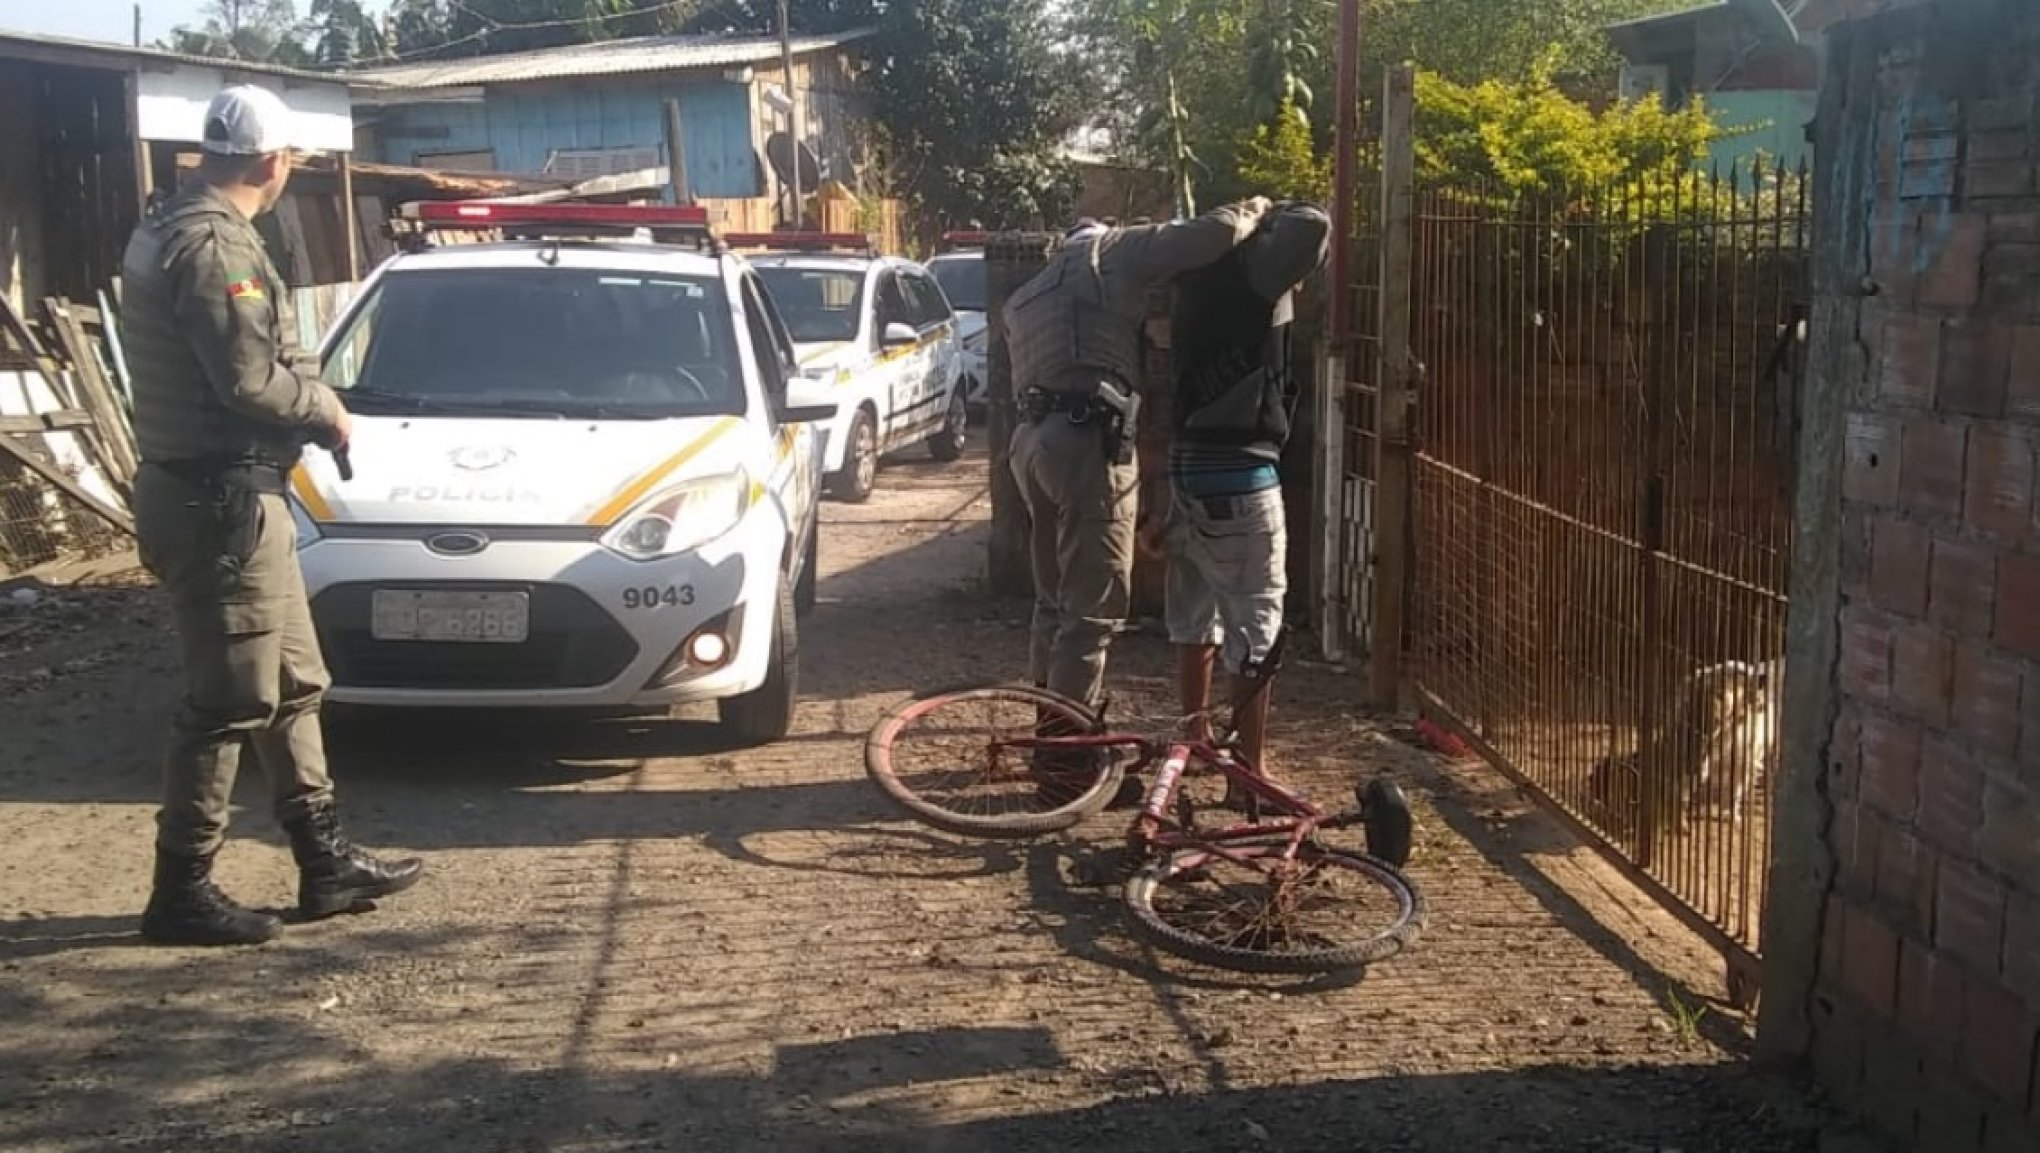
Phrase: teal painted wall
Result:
[522,125]
[1776,121]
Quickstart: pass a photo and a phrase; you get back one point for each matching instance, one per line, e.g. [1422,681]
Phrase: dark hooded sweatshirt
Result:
[1230,336]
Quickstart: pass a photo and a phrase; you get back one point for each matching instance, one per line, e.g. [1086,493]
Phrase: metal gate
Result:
[1601,512]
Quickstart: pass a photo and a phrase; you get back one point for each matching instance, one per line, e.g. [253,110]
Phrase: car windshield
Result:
[819,305]
[962,279]
[541,342]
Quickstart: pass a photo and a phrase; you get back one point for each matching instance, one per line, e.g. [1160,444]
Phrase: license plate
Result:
[502,618]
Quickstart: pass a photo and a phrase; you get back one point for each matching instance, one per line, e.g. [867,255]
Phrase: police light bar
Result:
[965,239]
[801,241]
[488,214]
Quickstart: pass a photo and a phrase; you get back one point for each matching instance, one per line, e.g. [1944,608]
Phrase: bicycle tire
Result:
[881,764]
[1142,888]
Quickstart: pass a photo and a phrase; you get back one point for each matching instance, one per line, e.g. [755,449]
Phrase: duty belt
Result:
[209,472]
[1038,404]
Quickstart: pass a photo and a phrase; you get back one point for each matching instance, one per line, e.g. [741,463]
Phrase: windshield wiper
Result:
[400,401]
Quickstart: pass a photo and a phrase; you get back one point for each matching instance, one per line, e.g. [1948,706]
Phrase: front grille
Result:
[573,644]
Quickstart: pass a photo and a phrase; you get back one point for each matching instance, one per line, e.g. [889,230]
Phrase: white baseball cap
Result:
[248,121]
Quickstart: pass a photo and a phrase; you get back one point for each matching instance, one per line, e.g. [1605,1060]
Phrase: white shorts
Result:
[1227,573]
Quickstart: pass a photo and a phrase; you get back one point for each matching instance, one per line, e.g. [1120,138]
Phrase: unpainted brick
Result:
[1931,460]
[1998,496]
[1969,916]
[1987,699]
[1976,366]
[1911,361]
[2018,605]
[1923,672]
[2011,278]
[1951,796]
[2022,942]
[1999,179]
[1953,247]
[1905,875]
[1962,589]
[1890,756]
[1853,563]
[1869,960]
[1901,555]
[1870,469]
[1865,657]
[1932,996]
[2022,400]
[2010,840]
[1998,1041]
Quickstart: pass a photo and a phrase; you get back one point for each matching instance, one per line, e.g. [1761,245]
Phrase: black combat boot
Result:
[186,908]
[333,875]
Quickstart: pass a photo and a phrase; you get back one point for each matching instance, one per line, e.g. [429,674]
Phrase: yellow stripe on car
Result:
[625,500]
[308,495]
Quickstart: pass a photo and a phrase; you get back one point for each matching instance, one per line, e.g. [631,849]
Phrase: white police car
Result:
[876,338]
[577,479]
[960,270]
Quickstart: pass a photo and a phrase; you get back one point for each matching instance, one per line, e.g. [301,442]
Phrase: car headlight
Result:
[683,517]
[307,528]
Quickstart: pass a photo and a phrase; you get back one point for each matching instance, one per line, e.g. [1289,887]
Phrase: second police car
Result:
[875,337]
[579,477]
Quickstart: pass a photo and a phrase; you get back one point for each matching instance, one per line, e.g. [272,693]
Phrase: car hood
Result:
[471,472]
[821,358]
[968,323]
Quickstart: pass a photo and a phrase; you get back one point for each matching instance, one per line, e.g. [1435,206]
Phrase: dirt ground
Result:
[637,938]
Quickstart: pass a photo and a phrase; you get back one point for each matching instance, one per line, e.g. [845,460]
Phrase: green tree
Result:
[1280,159]
[972,102]
[343,33]
[262,31]
[448,29]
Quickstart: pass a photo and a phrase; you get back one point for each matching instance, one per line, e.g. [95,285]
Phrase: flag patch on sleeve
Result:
[248,289]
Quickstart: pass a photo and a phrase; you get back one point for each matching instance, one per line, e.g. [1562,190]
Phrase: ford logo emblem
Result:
[474,458]
[457,543]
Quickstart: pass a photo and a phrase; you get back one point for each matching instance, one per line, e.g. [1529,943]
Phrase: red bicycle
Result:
[1260,895]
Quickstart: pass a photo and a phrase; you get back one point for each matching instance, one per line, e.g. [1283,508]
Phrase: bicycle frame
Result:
[1153,831]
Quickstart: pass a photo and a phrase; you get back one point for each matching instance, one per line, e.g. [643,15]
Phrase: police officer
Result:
[1073,332]
[1224,530]
[224,404]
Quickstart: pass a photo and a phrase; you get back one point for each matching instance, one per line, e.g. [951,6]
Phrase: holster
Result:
[233,492]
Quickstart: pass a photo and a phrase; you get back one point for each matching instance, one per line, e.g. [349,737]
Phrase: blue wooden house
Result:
[599,110]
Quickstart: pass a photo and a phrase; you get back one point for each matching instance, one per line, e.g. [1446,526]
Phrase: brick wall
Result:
[1927,1005]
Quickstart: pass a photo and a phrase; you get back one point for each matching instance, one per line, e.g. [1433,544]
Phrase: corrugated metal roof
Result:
[606,58]
[83,51]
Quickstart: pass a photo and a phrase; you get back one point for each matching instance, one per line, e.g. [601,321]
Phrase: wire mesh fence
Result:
[1602,508]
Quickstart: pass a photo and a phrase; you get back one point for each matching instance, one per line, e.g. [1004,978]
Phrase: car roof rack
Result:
[685,225]
[847,243]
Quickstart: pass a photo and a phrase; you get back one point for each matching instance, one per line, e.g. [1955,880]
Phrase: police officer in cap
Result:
[224,404]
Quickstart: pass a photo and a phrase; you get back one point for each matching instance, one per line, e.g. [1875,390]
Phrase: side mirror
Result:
[807,413]
[899,335]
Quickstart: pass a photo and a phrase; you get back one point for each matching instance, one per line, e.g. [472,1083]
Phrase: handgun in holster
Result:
[1122,412]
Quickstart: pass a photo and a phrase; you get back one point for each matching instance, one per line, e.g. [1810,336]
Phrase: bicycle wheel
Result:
[1320,912]
[949,759]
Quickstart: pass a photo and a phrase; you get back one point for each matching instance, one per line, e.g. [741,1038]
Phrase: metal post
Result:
[1392,491]
[792,116]
[1328,543]
[138,25]
[1345,169]
[676,155]
[348,223]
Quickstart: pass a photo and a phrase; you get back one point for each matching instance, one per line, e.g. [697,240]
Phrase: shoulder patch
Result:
[246,288]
